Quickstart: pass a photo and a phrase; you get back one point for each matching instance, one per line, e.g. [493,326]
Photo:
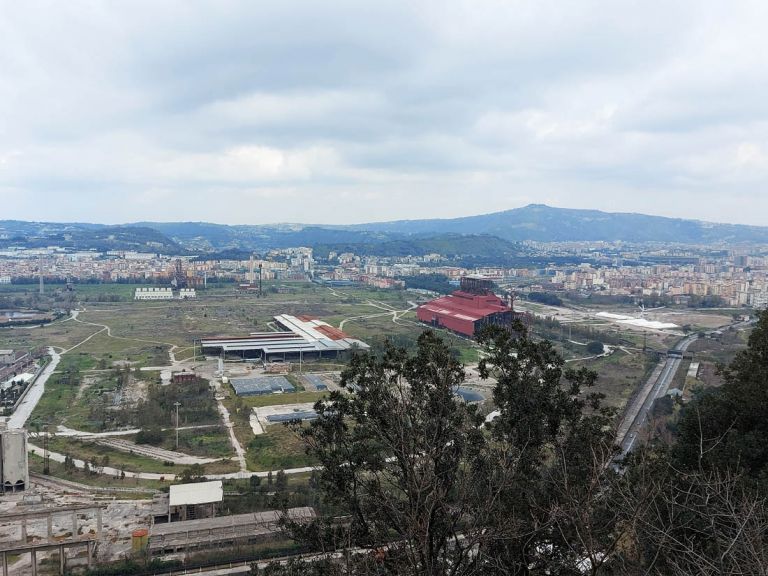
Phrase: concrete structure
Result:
[188,501]
[302,337]
[222,531]
[153,294]
[53,542]
[186,293]
[467,310]
[7,357]
[14,464]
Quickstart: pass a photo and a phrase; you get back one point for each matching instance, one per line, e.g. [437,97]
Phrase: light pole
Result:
[177,404]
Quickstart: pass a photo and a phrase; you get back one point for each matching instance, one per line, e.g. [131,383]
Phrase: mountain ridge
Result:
[535,222]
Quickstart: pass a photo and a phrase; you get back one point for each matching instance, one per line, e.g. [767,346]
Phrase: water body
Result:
[469,395]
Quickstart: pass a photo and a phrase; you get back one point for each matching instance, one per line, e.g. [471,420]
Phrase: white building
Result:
[185,293]
[154,294]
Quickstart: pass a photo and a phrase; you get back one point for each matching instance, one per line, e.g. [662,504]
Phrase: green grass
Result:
[203,442]
[279,448]
[57,403]
[287,398]
[85,450]
[57,470]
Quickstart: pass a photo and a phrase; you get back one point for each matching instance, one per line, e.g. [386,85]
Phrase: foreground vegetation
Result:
[429,486]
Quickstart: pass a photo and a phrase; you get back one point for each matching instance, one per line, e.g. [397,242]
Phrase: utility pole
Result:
[41,274]
[177,404]
[46,453]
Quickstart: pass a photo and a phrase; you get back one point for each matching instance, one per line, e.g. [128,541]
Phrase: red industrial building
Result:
[468,309]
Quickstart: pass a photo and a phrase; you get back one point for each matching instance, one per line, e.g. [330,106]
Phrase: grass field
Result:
[87,450]
[619,375]
[279,448]
[102,480]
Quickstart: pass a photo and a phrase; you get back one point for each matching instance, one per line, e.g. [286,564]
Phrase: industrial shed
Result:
[261,386]
[300,338]
[188,501]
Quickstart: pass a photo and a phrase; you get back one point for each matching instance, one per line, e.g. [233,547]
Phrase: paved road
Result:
[24,410]
[656,387]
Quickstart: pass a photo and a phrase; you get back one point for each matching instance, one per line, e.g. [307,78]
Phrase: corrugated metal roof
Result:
[198,493]
[304,336]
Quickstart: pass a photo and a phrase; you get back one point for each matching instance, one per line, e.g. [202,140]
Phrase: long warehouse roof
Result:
[303,335]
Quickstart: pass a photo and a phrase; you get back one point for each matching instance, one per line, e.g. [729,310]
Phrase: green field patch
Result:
[287,398]
[279,448]
[203,442]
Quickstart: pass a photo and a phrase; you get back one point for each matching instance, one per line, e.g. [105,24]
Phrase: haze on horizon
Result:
[245,113]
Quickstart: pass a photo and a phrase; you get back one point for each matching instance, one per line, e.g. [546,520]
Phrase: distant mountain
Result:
[546,224]
[220,237]
[476,236]
[79,236]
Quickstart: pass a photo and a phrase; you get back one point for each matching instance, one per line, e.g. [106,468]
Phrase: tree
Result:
[726,428]
[595,347]
[255,482]
[195,473]
[420,476]
[281,481]
[562,439]
[680,523]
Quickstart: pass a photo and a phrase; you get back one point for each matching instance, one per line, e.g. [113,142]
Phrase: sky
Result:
[352,111]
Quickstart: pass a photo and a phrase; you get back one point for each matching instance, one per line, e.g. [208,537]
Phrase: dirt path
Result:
[396,314]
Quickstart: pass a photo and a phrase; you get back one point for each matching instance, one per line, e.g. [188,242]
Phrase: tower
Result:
[40,267]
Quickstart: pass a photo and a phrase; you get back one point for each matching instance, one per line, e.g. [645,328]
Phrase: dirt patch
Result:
[86,383]
[135,391]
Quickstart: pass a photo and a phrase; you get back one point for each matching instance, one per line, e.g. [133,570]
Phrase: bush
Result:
[595,347]
[545,298]
[154,436]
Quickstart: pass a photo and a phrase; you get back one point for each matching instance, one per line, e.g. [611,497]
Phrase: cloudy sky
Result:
[341,112]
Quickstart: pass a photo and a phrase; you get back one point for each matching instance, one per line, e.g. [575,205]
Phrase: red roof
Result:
[466,306]
[331,332]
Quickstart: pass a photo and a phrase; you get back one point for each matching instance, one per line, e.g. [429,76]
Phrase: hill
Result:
[78,236]
[546,224]
[204,236]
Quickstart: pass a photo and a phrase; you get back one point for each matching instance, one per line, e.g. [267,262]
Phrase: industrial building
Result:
[188,502]
[223,531]
[153,293]
[467,310]
[301,338]
[14,465]
[261,386]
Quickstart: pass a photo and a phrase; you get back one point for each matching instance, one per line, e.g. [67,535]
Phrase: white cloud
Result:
[366,111]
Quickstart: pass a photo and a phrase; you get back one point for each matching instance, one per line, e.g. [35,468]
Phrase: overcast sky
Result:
[342,112]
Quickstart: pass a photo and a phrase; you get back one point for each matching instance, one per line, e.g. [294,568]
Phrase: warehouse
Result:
[261,386]
[300,338]
[468,310]
[187,502]
[222,531]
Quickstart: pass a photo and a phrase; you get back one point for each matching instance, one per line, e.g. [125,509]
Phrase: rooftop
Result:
[198,493]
